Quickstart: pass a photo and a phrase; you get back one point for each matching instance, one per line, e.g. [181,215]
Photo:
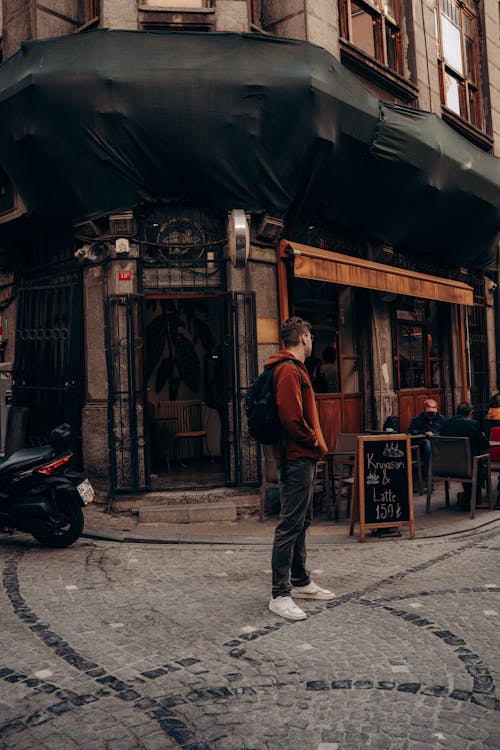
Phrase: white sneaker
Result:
[284,606]
[312,591]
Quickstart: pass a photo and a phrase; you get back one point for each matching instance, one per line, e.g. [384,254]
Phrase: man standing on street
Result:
[303,444]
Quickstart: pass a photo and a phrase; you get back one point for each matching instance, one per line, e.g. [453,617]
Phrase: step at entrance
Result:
[188,513]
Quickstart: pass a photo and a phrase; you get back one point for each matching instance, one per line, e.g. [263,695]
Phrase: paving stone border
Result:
[161,710]
[107,685]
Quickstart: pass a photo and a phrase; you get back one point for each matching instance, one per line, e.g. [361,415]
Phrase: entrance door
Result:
[199,358]
[185,379]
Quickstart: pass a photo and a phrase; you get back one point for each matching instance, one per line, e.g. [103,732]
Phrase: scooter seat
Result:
[25,457]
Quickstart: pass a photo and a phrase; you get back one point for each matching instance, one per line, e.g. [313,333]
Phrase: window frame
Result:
[469,80]
[381,21]
[430,359]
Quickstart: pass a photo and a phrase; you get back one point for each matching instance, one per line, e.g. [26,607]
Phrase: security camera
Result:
[86,252]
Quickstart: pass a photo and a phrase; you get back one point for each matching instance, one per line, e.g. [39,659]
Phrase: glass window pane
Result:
[433,328]
[350,375]
[452,50]
[469,56]
[452,93]
[388,6]
[390,40]
[317,302]
[346,320]
[436,380]
[411,356]
[330,310]
[363,35]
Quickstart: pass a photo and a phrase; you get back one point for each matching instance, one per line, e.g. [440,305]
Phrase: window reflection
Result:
[362,29]
[334,362]
[418,360]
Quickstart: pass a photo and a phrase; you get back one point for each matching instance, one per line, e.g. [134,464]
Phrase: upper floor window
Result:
[458,56]
[373,27]
[89,12]
[177,4]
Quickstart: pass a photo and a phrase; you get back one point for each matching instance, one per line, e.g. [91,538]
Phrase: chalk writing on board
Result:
[382,488]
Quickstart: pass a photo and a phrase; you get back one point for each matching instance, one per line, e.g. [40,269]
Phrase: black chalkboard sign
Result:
[383,493]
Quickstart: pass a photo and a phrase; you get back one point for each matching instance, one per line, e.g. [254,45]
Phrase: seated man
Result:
[429,422]
[463,425]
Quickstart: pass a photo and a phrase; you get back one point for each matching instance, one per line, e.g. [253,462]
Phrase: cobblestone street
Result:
[120,646]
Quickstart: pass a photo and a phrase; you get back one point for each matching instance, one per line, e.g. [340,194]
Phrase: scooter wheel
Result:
[70,523]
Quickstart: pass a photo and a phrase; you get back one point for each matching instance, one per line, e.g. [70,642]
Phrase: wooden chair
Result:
[194,429]
[451,460]
[341,465]
[322,490]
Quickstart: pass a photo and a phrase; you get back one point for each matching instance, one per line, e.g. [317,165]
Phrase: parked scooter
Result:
[40,495]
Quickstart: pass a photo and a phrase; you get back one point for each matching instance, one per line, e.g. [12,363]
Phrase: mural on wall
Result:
[173,341]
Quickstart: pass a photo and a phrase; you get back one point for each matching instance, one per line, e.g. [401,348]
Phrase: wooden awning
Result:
[324,265]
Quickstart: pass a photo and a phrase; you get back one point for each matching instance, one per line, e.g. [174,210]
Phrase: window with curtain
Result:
[374,28]
[457,35]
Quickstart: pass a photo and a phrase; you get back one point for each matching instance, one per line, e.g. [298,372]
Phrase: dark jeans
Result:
[289,550]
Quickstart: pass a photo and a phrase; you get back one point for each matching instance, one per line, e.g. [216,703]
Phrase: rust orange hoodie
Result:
[296,409]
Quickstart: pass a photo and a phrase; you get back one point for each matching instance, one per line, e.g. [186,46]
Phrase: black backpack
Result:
[262,414]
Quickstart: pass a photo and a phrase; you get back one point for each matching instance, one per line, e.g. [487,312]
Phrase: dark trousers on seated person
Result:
[296,485]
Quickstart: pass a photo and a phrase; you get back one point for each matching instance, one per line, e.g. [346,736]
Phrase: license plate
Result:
[86,491]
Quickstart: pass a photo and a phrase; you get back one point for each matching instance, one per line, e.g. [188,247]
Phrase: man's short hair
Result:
[464,409]
[292,329]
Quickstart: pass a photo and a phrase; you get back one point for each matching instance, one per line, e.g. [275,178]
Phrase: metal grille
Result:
[478,349]
[182,250]
[48,373]
[124,350]
[247,458]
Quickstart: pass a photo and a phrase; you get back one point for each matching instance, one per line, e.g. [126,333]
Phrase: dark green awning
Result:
[98,122]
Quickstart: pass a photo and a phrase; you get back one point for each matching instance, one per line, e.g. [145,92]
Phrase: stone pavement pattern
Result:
[117,646]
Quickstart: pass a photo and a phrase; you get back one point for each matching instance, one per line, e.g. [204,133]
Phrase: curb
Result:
[127,537]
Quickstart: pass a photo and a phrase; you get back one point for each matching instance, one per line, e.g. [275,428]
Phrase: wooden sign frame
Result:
[358,504]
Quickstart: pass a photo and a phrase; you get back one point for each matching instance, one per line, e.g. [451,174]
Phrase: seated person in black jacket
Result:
[463,425]
[428,422]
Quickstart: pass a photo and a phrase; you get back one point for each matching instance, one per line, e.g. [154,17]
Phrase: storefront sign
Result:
[383,493]
[125,275]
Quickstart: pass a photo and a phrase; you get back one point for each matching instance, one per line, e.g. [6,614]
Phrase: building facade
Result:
[141,302]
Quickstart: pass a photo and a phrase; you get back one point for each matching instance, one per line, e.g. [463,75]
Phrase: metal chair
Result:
[451,460]
[494,438]
[416,462]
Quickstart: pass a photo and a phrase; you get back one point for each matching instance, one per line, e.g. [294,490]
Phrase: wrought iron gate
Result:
[129,446]
[126,418]
[478,349]
[244,461]
[49,373]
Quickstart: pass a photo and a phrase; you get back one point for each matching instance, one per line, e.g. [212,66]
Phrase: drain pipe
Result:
[496,302]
